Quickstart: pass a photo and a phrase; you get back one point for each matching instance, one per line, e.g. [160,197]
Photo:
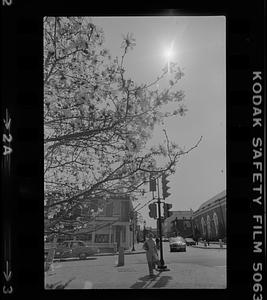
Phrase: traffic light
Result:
[165,188]
[152,210]
[152,183]
[131,215]
[167,212]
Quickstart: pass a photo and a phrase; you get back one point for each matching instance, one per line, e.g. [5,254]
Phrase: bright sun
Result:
[169,52]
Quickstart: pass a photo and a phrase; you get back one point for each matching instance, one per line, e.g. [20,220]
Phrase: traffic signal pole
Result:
[162,266]
[159,222]
[133,249]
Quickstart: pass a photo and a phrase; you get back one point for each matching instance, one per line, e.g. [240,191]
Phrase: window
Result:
[125,211]
[109,209]
[203,226]
[74,244]
[101,238]
[116,207]
[187,224]
[208,226]
[94,205]
[215,220]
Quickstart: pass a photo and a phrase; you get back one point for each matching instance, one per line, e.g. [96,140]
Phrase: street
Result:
[195,268]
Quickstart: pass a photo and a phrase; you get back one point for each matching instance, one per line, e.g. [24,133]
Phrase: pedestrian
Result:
[151,254]
[207,240]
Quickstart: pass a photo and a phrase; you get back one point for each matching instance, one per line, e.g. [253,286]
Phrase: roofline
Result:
[210,205]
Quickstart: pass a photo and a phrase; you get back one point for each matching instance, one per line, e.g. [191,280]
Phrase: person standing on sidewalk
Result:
[151,253]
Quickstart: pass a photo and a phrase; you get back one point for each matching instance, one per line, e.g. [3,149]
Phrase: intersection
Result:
[193,269]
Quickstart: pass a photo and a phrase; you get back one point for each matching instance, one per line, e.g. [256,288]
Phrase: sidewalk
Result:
[213,245]
[138,250]
[103,272]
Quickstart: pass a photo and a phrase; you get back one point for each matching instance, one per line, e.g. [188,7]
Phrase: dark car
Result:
[190,242]
[71,249]
[177,244]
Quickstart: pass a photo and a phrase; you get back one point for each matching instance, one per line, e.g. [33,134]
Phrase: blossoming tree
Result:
[97,122]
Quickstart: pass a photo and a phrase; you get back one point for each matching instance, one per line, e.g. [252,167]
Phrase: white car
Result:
[177,244]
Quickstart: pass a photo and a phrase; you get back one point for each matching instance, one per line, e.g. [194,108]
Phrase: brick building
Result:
[179,223]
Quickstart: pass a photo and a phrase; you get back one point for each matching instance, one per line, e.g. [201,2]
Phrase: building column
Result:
[110,233]
[127,239]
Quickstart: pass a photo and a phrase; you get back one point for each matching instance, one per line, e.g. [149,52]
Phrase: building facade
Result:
[179,223]
[109,229]
[209,221]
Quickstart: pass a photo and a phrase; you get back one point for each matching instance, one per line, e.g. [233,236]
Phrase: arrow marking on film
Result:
[8,273]
[7,121]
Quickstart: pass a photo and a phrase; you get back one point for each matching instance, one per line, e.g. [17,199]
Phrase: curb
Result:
[208,247]
[134,252]
[125,253]
[101,254]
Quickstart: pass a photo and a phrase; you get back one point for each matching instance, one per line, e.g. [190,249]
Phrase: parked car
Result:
[74,248]
[190,242]
[177,244]
[164,239]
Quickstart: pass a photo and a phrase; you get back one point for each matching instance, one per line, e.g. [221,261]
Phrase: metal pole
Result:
[133,233]
[144,231]
[162,265]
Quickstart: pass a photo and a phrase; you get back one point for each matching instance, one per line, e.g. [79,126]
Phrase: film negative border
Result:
[22,225]
[7,159]
[258,161]
[21,183]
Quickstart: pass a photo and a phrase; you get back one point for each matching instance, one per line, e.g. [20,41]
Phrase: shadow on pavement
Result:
[73,259]
[163,281]
[144,282]
[58,285]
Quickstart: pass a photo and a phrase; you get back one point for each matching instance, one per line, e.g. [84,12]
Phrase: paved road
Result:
[195,268]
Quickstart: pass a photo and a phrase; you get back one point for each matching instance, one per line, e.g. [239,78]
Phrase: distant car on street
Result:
[190,241]
[177,244]
[164,239]
[75,249]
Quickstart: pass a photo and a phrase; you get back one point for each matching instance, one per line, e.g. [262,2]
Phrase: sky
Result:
[199,48]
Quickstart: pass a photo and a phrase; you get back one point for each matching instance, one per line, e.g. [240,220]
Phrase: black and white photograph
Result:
[135,152]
